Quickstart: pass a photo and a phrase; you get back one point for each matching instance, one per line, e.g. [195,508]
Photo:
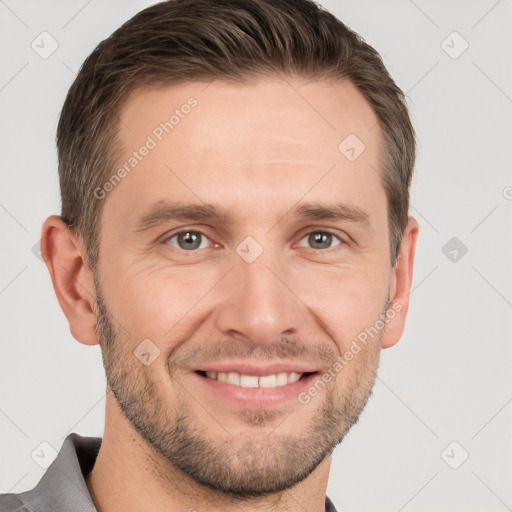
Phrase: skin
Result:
[256,150]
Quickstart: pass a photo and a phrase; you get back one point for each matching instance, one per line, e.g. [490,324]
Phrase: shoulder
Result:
[62,487]
[13,503]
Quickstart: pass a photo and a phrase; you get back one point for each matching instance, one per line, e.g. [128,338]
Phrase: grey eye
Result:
[321,239]
[188,240]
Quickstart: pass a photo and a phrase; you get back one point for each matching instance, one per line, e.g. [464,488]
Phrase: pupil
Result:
[321,239]
[190,240]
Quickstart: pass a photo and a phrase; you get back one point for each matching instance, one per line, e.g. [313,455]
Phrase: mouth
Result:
[274,380]
[253,386]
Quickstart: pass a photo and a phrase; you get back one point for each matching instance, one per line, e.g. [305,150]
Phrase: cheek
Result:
[166,304]
[158,303]
[346,301]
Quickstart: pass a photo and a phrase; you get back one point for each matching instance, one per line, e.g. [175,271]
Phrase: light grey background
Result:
[448,379]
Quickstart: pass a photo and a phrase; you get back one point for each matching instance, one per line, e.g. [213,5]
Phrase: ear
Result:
[73,282]
[400,287]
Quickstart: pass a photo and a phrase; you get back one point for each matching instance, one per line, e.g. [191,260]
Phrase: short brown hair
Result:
[234,40]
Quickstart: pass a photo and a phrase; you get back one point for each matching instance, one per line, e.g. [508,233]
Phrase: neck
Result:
[129,475]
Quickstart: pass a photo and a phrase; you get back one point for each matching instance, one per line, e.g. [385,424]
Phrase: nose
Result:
[257,303]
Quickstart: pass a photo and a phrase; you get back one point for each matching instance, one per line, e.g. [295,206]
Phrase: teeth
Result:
[248,381]
[252,381]
[233,378]
[281,379]
[268,381]
[293,377]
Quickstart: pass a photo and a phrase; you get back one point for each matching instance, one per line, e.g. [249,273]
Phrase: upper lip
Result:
[259,370]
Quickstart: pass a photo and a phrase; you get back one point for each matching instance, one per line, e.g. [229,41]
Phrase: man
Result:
[235,235]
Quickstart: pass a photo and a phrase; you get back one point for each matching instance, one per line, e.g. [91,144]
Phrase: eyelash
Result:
[202,233]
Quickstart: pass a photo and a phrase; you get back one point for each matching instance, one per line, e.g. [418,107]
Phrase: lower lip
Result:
[260,397]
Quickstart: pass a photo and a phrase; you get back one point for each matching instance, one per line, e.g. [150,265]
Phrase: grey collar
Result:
[63,485]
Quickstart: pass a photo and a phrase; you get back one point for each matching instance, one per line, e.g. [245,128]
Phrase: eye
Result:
[188,240]
[321,239]
[191,240]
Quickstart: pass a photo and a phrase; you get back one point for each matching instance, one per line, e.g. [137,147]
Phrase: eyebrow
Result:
[338,211]
[163,212]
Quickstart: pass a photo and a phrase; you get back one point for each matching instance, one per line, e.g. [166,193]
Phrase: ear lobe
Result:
[400,287]
[72,280]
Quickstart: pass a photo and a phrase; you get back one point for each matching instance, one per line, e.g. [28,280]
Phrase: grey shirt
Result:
[62,488]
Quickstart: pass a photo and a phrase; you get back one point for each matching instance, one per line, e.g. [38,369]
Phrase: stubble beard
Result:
[250,465]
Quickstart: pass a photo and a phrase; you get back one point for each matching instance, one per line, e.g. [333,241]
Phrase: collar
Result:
[63,485]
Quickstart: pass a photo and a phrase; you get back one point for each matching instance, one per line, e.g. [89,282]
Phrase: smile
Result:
[255,381]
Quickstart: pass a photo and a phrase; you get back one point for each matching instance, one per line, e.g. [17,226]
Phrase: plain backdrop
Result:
[436,434]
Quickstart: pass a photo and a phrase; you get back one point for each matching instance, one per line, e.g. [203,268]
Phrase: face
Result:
[241,255]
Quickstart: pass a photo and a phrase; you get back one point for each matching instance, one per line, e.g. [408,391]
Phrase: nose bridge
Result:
[258,302]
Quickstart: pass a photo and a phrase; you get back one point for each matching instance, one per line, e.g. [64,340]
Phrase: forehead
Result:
[256,146]
[316,113]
